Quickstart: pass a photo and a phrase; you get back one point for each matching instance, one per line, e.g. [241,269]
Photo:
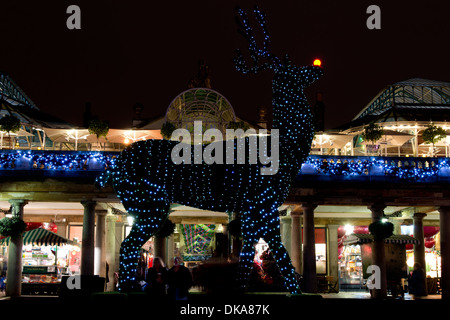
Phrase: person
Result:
[417,281]
[180,280]
[156,278]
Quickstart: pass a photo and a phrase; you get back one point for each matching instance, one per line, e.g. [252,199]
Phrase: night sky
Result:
[145,52]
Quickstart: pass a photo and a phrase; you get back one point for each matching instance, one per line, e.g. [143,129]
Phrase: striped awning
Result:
[360,238]
[40,237]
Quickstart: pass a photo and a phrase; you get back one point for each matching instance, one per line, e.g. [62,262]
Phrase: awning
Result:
[40,237]
[361,238]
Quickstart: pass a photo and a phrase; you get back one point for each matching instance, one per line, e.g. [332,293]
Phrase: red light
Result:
[317,63]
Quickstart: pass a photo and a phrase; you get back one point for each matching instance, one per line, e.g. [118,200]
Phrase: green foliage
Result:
[372,133]
[166,229]
[9,123]
[381,229]
[98,127]
[238,125]
[12,227]
[433,134]
[167,129]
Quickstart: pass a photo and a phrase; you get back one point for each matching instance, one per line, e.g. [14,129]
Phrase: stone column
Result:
[285,226]
[296,241]
[110,248]
[170,250]
[309,249]
[397,225]
[332,251]
[99,252]
[87,246]
[226,240]
[419,249]
[14,271]
[378,254]
[160,248]
[444,217]
[119,237]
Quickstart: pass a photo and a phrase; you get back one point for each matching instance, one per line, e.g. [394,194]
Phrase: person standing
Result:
[417,280]
[156,278]
[179,280]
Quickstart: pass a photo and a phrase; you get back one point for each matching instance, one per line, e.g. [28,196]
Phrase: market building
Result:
[48,169]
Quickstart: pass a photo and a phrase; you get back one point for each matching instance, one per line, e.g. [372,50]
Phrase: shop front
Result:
[46,258]
[357,257]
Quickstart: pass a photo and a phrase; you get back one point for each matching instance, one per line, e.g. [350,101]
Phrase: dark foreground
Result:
[230,306]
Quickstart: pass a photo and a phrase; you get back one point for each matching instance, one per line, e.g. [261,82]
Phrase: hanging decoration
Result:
[197,238]
[12,227]
[147,181]
[381,229]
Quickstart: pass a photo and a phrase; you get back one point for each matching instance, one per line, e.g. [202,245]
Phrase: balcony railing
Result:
[54,163]
[386,169]
[316,168]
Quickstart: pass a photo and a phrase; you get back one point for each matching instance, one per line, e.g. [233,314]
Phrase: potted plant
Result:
[9,123]
[372,133]
[12,227]
[99,128]
[433,134]
[167,129]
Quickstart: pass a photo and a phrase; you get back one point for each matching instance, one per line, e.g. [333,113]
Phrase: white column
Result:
[110,248]
[99,251]
[332,251]
[419,249]
[170,250]
[285,222]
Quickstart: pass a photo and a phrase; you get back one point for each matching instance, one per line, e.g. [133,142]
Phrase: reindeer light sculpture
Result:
[147,181]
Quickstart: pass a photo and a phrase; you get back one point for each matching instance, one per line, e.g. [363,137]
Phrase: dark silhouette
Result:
[179,280]
[156,279]
[417,281]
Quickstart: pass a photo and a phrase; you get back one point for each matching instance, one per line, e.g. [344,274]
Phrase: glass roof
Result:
[203,104]
[411,94]
[12,93]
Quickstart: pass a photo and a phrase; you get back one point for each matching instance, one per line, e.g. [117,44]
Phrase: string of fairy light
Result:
[50,160]
[412,169]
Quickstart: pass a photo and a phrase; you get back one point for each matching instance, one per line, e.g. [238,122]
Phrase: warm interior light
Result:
[348,229]
[317,62]
[126,141]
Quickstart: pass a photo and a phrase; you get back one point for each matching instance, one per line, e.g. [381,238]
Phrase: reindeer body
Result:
[147,181]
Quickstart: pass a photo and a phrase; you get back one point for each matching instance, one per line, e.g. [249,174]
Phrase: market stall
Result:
[357,256]
[46,257]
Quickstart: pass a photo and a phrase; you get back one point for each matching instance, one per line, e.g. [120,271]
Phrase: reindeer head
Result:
[285,71]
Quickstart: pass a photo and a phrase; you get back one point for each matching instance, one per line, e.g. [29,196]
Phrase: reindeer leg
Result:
[273,239]
[247,251]
[151,215]
[267,219]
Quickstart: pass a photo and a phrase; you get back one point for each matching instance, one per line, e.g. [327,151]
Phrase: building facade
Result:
[48,171]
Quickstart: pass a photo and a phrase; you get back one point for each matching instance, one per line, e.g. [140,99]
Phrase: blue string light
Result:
[147,181]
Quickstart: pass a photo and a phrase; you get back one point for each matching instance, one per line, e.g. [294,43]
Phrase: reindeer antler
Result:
[255,52]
